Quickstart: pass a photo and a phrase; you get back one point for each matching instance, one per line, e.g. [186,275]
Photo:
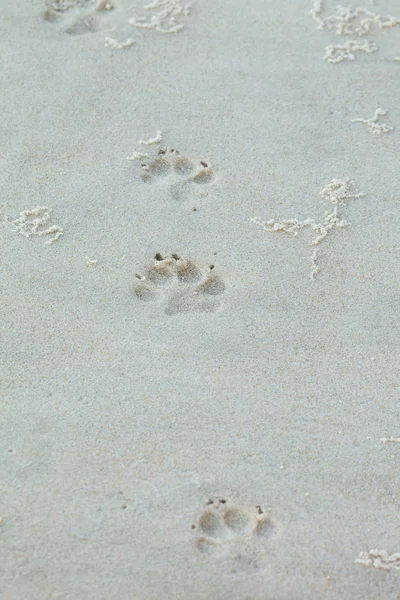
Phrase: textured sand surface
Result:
[185,413]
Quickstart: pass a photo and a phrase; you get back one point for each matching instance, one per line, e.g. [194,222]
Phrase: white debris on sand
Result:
[336,53]
[138,156]
[389,440]
[155,140]
[346,21]
[112,43]
[64,5]
[165,20]
[375,128]
[336,192]
[380,559]
[315,266]
[315,14]
[36,221]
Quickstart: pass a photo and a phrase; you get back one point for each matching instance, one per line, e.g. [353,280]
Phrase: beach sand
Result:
[185,412]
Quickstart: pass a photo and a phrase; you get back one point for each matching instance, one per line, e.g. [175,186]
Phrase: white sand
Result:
[134,391]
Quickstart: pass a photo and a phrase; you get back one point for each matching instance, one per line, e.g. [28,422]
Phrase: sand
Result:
[193,407]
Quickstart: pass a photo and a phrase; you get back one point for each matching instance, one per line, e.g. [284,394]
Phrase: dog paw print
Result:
[184,177]
[180,285]
[78,16]
[227,528]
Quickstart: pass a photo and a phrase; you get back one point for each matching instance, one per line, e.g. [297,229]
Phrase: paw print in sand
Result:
[183,176]
[79,16]
[180,285]
[228,529]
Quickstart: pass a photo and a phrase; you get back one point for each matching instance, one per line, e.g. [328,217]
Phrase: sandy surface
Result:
[215,435]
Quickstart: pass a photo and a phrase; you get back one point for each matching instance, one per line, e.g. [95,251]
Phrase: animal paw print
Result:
[78,16]
[222,526]
[180,284]
[182,173]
